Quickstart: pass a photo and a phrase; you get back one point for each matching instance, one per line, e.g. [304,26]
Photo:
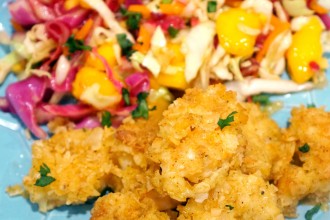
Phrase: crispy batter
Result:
[129,206]
[140,133]
[266,152]
[308,176]
[184,155]
[78,160]
[192,150]
[238,196]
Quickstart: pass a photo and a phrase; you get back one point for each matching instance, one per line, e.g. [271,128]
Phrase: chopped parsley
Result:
[304,149]
[230,207]
[310,213]
[211,6]
[106,119]
[172,31]
[142,108]
[44,180]
[125,94]
[133,21]
[76,45]
[125,45]
[262,99]
[226,122]
[167,1]
[123,11]
[312,105]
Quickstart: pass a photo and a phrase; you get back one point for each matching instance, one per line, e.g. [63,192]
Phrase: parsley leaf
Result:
[310,213]
[230,207]
[125,45]
[123,11]
[106,119]
[167,1]
[125,94]
[133,21]
[304,149]
[226,122]
[172,31]
[262,99]
[76,45]
[211,6]
[142,108]
[312,105]
[44,180]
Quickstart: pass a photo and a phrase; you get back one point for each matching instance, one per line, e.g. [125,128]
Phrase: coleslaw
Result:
[109,55]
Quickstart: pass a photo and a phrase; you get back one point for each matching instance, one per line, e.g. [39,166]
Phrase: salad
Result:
[108,56]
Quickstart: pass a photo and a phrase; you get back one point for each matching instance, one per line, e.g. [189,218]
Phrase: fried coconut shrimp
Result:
[238,196]
[266,152]
[127,206]
[79,162]
[192,150]
[308,175]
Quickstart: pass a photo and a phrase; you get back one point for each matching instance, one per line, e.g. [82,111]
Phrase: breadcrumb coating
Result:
[180,161]
[308,175]
[238,196]
[78,160]
[192,150]
[129,206]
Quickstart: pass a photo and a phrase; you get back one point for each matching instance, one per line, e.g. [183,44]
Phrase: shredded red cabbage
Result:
[22,13]
[89,122]
[66,86]
[58,31]
[326,20]
[133,2]
[23,97]
[72,111]
[43,12]
[74,17]
[137,83]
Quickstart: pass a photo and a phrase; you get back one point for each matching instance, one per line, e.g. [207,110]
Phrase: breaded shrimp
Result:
[192,150]
[128,206]
[78,160]
[308,175]
[266,152]
[238,196]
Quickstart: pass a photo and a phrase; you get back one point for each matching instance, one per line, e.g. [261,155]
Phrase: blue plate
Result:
[15,152]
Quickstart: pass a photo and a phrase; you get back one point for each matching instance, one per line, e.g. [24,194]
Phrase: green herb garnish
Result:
[106,119]
[44,180]
[230,207]
[211,6]
[311,105]
[125,45]
[142,109]
[262,99]
[166,1]
[133,21]
[310,213]
[226,122]
[125,94]
[76,45]
[172,31]
[305,148]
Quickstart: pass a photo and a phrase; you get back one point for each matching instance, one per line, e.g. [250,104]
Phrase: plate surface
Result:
[15,151]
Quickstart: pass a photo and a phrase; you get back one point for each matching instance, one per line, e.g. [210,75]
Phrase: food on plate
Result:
[106,54]
[206,156]
[84,162]
[232,199]
[308,175]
